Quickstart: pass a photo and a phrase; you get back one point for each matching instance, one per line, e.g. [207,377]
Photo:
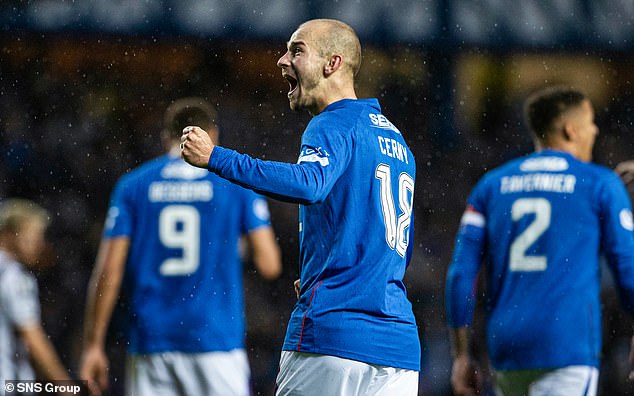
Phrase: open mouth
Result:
[292,82]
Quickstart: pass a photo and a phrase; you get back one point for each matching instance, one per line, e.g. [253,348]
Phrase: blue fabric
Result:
[354,181]
[183,277]
[547,218]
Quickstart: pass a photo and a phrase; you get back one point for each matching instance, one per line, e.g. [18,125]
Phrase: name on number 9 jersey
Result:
[183,277]
[355,241]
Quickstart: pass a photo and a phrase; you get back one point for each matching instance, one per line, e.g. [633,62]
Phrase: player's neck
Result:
[174,150]
[334,91]
[564,148]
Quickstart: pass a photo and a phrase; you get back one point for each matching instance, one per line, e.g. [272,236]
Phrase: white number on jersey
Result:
[179,228]
[396,234]
[541,208]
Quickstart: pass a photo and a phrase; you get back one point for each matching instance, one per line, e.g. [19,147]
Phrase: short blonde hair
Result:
[16,211]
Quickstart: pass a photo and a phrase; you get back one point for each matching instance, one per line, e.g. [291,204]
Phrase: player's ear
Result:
[334,63]
[569,130]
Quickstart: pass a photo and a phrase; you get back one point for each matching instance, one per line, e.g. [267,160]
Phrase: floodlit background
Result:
[84,83]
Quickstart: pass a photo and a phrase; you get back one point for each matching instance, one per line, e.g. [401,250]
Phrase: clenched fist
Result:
[196,146]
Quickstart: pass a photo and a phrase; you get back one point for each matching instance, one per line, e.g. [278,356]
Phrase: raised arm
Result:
[308,181]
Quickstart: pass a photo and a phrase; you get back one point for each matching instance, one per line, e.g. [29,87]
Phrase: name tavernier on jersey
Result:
[539,219]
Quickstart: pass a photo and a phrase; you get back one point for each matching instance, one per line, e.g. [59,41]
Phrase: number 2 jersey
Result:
[183,275]
[354,180]
[542,222]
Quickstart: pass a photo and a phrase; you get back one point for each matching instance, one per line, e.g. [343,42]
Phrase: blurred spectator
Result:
[22,240]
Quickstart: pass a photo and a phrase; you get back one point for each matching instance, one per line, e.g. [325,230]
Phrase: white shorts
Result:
[308,374]
[177,373]
[566,381]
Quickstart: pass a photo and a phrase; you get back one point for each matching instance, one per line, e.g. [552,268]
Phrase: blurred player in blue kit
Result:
[541,223]
[170,244]
[25,350]
[352,331]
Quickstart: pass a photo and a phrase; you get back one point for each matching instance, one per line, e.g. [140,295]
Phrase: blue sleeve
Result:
[119,218]
[617,237]
[256,212]
[461,282]
[323,158]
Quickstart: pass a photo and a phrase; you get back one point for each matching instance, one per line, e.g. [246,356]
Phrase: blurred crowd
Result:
[76,114]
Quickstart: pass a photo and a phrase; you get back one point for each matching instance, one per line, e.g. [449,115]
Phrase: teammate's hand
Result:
[94,369]
[465,377]
[196,146]
[626,170]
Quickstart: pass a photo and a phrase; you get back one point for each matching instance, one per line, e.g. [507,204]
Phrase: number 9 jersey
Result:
[541,223]
[183,275]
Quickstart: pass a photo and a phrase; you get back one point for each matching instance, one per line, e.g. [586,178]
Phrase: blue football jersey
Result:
[183,278]
[354,180]
[541,223]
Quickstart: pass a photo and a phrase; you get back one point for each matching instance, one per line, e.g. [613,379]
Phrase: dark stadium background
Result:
[83,85]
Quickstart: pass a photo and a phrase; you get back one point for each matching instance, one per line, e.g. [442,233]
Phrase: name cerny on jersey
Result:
[388,146]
